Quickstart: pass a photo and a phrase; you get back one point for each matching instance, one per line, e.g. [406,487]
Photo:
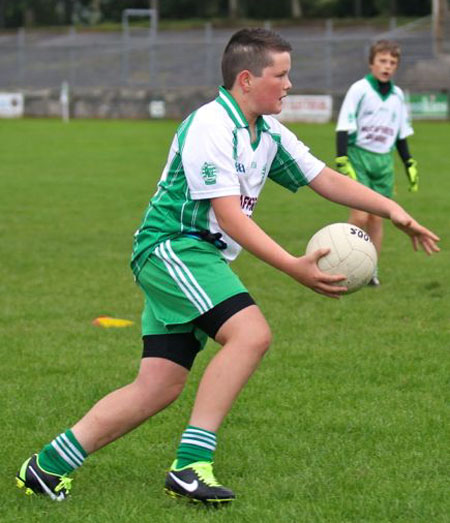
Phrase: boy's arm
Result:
[343,190]
[402,146]
[341,143]
[251,237]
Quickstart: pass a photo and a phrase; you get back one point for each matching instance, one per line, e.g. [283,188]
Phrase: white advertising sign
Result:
[157,108]
[306,108]
[11,105]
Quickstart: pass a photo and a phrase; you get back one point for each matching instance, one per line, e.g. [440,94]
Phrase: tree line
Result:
[18,13]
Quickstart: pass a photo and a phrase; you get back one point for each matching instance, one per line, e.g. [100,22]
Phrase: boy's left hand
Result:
[413,174]
[419,234]
[344,166]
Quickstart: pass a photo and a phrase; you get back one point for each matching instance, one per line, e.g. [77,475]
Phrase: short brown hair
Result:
[249,49]
[384,46]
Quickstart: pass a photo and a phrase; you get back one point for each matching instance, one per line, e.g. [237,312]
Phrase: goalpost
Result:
[441,22]
[152,15]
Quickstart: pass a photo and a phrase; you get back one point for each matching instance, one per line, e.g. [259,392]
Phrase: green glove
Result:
[413,174]
[344,166]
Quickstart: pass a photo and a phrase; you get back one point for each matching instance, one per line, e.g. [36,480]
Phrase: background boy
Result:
[197,221]
[372,120]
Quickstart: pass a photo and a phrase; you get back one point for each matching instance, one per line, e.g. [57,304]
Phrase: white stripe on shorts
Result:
[180,280]
[189,275]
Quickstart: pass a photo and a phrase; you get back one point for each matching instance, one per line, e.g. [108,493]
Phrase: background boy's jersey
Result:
[374,121]
[211,156]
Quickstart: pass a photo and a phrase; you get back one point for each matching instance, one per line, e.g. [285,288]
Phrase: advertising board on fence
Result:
[11,105]
[306,108]
[428,106]
[157,109]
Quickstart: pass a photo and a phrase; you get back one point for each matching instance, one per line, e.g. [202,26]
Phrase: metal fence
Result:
[325,58]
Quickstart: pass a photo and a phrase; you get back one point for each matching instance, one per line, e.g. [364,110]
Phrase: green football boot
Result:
[36,481]
[196,483]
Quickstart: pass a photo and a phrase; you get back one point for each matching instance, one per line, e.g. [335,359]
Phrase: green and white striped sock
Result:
[196,445]
[63,455]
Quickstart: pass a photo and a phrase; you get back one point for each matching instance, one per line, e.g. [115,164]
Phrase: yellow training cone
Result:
[107,322]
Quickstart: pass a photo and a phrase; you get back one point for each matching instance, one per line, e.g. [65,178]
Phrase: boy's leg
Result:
[361,161]
[370,223]
[169,350]
[158,383]
[373,225]
[382,182]
[375,231]
[167,357]
[377,172]
[359,218]
[245,337]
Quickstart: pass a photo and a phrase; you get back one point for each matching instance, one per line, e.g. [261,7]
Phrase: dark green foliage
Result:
[16,13]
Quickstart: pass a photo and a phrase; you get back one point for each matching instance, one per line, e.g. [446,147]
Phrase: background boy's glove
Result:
[344,166]
[413,174]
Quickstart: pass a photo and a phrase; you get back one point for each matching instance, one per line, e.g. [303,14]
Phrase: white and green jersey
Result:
[374,121]
[212,156]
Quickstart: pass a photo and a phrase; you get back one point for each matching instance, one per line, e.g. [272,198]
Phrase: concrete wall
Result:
[115,103]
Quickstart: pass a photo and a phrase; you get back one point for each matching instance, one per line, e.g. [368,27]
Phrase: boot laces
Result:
[205,473]
[65,483]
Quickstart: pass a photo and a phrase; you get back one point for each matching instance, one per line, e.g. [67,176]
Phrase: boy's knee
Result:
[248,330]
[267,339]
[360,220]
[157,380]
[158,394]
[261,340]
[171,393]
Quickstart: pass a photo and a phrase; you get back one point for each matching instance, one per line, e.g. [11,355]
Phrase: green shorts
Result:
[183,279]
[373,170]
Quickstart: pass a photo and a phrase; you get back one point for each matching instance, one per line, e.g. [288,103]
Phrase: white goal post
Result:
[151,14]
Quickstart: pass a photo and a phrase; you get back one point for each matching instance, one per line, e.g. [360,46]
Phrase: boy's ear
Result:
[244,80]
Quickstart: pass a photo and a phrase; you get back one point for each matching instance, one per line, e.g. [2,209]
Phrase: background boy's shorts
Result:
[183,279]
[373,170]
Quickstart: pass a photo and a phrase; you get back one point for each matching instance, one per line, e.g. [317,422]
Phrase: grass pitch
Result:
[347,418]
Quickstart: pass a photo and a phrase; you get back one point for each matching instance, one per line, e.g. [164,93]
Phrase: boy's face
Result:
[384,66]
[268,90]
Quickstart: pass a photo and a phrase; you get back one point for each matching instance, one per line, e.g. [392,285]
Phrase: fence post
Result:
[124,51]
[209,54]
[21,58]
[329,55]
[153,56]
[438,10]
[72,52]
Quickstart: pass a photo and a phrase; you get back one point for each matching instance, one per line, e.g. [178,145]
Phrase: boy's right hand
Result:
[418,233]
[305,270]
[344,166]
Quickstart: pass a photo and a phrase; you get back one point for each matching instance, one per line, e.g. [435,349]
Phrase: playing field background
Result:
[347,419]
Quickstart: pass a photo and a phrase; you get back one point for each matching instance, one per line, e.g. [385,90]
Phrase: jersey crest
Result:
[209,173]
